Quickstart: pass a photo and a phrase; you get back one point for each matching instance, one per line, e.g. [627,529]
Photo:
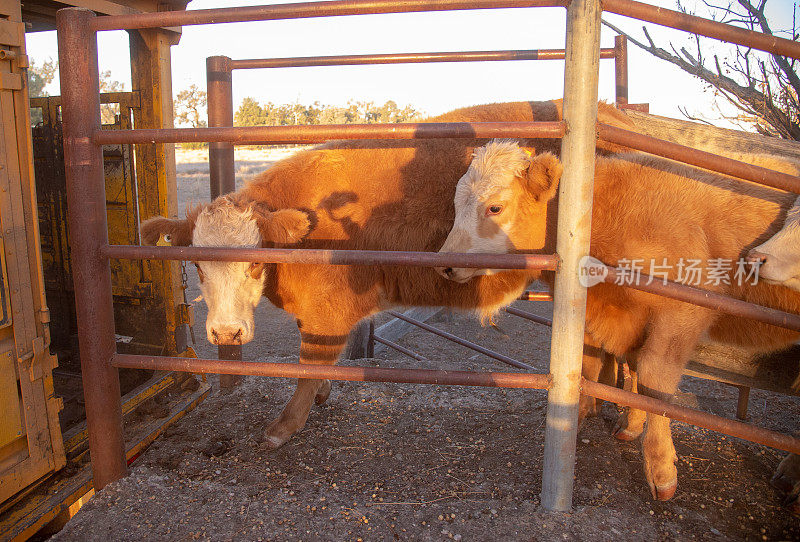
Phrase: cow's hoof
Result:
[624,434]
[272,442]
[323,393]
[787,480]
[664,492]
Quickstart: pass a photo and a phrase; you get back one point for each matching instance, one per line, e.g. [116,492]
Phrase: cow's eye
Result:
[494,210]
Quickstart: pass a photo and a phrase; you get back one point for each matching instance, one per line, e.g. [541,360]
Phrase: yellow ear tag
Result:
[164,241]
[529,153]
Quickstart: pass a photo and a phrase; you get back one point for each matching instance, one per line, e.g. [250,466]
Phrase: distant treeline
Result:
[252,113]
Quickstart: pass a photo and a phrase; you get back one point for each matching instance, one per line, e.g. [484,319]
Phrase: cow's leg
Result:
[630,424]
[319,348]
[661,360]
[787,479]
[597,367]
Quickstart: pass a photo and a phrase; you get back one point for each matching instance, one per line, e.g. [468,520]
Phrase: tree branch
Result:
[748,99]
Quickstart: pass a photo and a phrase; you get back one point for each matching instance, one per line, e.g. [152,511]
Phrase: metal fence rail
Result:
[406,58]
[628,8]
[83,138]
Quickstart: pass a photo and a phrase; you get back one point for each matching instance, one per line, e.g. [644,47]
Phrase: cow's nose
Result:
[755,257]
[227,335]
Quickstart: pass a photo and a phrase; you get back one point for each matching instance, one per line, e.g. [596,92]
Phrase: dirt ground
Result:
[404,462]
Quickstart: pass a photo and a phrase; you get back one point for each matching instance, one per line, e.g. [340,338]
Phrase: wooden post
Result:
[151,69]
[574,229]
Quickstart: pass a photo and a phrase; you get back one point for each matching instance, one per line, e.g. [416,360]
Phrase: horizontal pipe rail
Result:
[709,300]
[627,8]
[696,157]
[674,290]
[529,316]
[334,257]
[463,342]
[458,378]
[405,58]
[727,426]
[401,349]
[703,27]
[333,372]
[305,10]
[316,133]
[536,296]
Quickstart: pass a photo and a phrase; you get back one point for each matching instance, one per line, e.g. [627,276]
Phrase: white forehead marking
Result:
[222,224]
[495,164]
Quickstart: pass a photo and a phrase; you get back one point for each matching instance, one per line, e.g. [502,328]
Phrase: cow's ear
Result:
[169,231]
[284,226]
[543,175]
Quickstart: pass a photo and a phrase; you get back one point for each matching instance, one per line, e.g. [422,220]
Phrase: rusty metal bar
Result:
[401,349]
[221,168]
[536,296]
[529,316]
[304,10]
[91,273]
[333,257]
[332,372]
[709,421]
[463,342]
[406,58]
[248,135]
[703,159]
[220,113]
[628,8]
[703,27]
[459,378]
[710,300]
[572,244]
[620,69]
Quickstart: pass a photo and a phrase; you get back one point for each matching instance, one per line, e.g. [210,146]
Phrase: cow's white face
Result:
[501,204]
[231,290]
[779,256]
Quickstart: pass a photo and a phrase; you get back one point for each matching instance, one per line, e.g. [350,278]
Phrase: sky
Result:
[431,88]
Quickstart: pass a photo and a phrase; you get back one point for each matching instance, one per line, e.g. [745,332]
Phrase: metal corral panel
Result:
[30,438]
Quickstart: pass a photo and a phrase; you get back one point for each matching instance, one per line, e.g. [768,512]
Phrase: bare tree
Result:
[763,87]
[190,107]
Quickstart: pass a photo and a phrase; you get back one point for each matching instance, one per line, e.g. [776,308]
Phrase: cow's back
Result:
[649,208]
[397,195]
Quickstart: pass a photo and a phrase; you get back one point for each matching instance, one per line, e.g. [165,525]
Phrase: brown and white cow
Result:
[779,256]
[373,195]
[648,209]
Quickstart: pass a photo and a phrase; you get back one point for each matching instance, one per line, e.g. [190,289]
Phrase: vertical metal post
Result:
[743,402]
[220,113]
[222,172]
[621,69]
[86,199]
[574,230]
